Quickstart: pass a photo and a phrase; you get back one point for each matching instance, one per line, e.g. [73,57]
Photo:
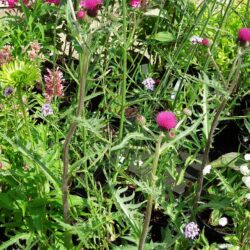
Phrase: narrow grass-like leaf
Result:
[128,137]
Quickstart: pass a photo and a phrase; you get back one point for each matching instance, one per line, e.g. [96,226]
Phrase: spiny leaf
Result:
[129,209]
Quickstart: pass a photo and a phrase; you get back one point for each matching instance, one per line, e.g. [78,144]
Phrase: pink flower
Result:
[244,35]
[135,3]
[80,14]
[12,3]
[56,2]
[206,42]
[166,119]
[5,55]
[35,46]
[91,4]
[51,79]
[32,55]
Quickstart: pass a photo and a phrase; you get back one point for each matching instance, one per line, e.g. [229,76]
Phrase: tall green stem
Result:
[124,76]
[82,79]
[150,197]
[19,94]
[214,125]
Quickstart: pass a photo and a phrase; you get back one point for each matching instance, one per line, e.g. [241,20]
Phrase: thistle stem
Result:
[214,125]
[150,197]
[65,177]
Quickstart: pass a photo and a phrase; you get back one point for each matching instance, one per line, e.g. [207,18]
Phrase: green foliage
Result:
[111,155]
[19,74]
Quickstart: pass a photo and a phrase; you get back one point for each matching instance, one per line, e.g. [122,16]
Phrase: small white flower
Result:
[207,169]
[149,83]
[248,196]
[244,170]
[46,110]
[138,163]
[246,180]
[247,157]
[196,39]
[223,221]
[121,159]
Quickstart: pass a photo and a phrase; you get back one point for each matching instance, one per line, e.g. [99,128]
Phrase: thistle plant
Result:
[231,86]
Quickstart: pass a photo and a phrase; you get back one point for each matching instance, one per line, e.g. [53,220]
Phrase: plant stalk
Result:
[150,198]
[73,126]
[124,76]
[214,125]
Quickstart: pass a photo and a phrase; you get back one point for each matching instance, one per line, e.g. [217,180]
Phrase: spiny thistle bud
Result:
[206,42]
[171,134]
[140,120]
[187,111]
[80,14]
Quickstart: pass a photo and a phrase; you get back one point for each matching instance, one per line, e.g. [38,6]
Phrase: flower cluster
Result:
[199,40]
[5,55]
[53,84]
[47,110]
[223,221]
[55,2]
[135,3]
[245,171]
[90,6]
[191,230]
[138,3]
[34,51]
[149,83]
[8,91]
[12,3]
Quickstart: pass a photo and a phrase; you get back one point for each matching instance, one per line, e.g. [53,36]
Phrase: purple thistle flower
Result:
[149,83]
[8,91]
[191,230]
[47,110]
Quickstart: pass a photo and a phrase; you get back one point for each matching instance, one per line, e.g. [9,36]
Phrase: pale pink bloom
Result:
[32,55]
[53,84]
[191,230]
[5,55]
[35,46]
[149,83]
[46,110]
[196,40]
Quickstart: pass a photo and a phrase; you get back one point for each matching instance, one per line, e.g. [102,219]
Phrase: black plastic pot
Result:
[213,235]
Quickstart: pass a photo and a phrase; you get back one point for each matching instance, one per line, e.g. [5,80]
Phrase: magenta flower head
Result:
[91,6]
[166,120]
[80,14]
[12,3]
[56,2]
[244,36]
[135,3]
[206,42]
